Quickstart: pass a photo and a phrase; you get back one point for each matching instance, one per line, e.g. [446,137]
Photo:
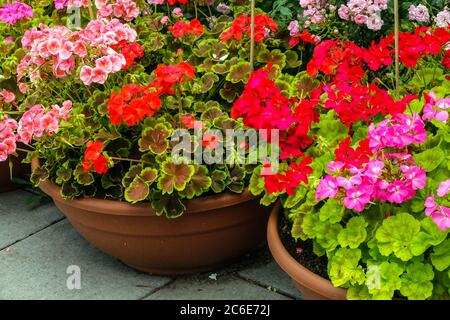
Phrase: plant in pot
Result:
[117,112]
[15,18]
[364,207]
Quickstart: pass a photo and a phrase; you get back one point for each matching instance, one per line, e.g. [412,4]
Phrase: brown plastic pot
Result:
[213,232]
[311,285]
[19,170]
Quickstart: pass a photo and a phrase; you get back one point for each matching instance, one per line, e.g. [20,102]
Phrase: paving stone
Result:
[36,268]
[271,275]
[226,287]
[18,220]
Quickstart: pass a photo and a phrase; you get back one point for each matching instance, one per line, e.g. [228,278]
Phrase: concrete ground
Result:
[38,246]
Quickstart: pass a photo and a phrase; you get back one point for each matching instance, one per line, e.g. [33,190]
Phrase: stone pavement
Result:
[37,245]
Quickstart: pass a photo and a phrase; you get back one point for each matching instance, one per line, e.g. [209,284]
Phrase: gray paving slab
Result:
[36,268]
[226,287]
[18,220]
[271,275]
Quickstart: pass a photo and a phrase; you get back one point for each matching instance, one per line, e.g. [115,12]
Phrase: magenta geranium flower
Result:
[10,13]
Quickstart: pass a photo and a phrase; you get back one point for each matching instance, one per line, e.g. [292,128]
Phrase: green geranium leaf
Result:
[211,114]
[155,139]
[235,181]
[131,174]
[358,293]
[169,205]
[344,269]
[384,280]
[63,174]
[430,159]
[149,175]
[239,72]
[440,257]
[332,211]
[293,200]
[429,235]
[354,233]
[39,174]
[303,85]
[82,177]
[69,191]
[292,59]
[218,179]
[326,234]
[229,91]
[200,182]
[274,56]
[396,235]
[417,281]
[137,191]
[175,176]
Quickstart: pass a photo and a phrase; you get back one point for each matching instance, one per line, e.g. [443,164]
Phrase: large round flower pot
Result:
[312,286]
[19,170]
[213,232]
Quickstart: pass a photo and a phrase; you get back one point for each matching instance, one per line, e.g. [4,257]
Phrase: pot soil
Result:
[311,285]
[19,170]
[213,232]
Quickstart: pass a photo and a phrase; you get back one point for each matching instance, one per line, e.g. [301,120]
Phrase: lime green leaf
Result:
[384,280]
[440,257]
[396,235]
[344,268]
[417,281]
[354,233]
[430,159]
[200,182]
[332,210]
[429,235]
[256,185]
[239,72]
[358,293]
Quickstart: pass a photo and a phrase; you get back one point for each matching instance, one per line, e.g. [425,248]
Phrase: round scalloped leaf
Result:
[396,235]
[137,191]
[218,179]
[200,183]
[239,72]
[223,68]
[155,139]
[417,281]
[131,174]
[149,175]
[63,174]
[82,177]
[429,235]
[354,233]
[344,268]
[440,257]
[203,48]
[211,114]
[69,191]
[205,83]
[303,85]
[169,205]
[230,91]
[274,56]
[430,159]
[174,176]
[386,280]
[292,60]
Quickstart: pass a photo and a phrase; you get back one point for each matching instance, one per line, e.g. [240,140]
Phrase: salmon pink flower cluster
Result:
[10,13]
[7,137]
[57,48]
[435,108]
[37,121]
[61,4]
[94,159]
[126,9]
[241,25]
[439,213]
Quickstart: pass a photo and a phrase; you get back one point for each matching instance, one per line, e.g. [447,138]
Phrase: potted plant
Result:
[363,207]
[119,108]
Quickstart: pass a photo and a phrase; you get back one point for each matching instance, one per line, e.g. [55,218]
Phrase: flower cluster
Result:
[7,137]
[290,179]
[263,26]
[354,101]
[126,9]
[398,132]
[57,48]
[442,19]
[263,106]
[348,157]
[418,13]
[314,11]
[439,213]
[182,28]
[364,12]
[435,108]
[169,76]
[132,104]
[37,121]
[10,13]
[93,158]
[130,51]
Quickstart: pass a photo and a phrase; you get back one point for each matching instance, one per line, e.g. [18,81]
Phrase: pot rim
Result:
[119,207]
[293,268]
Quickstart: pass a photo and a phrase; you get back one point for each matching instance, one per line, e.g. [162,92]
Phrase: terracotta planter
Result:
[312,286]
[20,170]
[213,232]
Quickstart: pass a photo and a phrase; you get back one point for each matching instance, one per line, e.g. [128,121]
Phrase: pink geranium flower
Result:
[444,188]
[356,199]
[327,188]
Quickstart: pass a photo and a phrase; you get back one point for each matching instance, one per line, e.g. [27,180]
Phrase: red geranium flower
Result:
[243,24]
[94,158]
